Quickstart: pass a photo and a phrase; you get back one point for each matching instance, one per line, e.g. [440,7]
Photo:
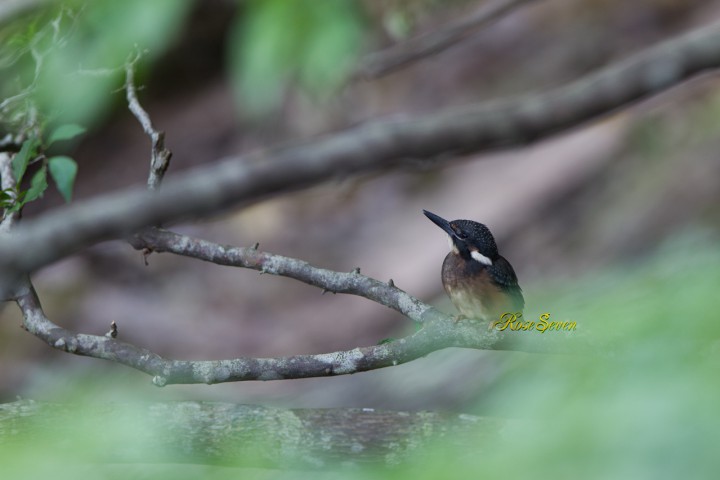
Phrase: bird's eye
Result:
[461,235]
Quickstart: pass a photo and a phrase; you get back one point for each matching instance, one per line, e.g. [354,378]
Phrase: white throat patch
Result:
[453,248]
[480,258]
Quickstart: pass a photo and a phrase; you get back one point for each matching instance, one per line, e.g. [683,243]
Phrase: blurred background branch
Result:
[417,48]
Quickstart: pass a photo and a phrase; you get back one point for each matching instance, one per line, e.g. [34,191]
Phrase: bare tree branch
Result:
[236,435]
[379,145]
[438,333]
[400,55]
[336,282]
[160,156]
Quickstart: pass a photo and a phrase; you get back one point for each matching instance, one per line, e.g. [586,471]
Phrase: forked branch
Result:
[160,156]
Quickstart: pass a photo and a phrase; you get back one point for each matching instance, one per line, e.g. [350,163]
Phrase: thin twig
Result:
[400,55]
[160,156]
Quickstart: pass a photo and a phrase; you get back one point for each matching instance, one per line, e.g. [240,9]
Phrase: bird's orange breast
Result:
[472,290]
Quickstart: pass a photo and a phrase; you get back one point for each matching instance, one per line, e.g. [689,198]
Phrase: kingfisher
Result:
[480,282]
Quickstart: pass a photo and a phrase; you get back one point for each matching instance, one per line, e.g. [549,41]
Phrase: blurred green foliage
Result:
[67,59]
[276,42]
[85,65]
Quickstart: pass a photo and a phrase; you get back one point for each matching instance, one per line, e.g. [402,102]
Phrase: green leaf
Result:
[66,132]
[21,160]
[37,186]
[63,171]
[5,199]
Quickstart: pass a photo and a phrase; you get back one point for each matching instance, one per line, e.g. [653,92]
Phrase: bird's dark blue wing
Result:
[503,273]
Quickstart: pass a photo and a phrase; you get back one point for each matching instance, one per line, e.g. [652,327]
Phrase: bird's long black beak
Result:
[440,222]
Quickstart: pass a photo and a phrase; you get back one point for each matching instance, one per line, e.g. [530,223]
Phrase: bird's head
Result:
[470,240]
